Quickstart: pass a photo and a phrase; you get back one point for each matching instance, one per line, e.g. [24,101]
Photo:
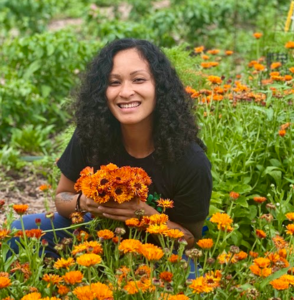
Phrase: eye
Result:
[114,82]
[139,80]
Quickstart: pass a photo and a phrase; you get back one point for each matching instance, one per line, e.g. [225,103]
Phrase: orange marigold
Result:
[105,234]
[178,297]
[234,195]
[229,52]
[253,254]
[34,233]
[259,67]
[89,259]
[285,126]
[279,242]
[133,222]
[257,35]
[213,51]
[262,262]
[262,272]
[151,252]
[279,284]
[64,263]
[4,233]
[158,219]
[199,49]
[20,209]
[260,233]
[205,243]
[129,246]
[157,229]
[259,199]
[222,220]
[73,277]
[165,203]
[63,290]
[52,279]
[166,276]
[143,270]
[290,216]
[291,70]
[289,45]
[174,233]
[89,247]
[44,187]
[32,296]
[96,291]
[290,228]
[174,258]
[214,79]
[275,65]
[199,286]
[4,282]
[282,132]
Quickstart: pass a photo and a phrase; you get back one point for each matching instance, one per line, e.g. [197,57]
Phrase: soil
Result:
[23,188]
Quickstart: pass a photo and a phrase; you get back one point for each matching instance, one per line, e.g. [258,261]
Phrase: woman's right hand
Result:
[89,205]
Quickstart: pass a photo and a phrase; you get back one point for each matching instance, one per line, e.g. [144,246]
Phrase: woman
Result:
[132,109]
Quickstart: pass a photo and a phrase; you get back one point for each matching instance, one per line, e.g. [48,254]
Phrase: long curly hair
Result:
[99,132]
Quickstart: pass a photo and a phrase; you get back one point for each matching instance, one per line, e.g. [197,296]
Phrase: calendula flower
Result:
[105,234]
[239,256]
[132,287]
[50,298]
[20,209]
[257,35]
[275,65]
[290,216]
[259,67]
[166,276]
[285,126]
[63,290]
[209,64]
[199,286]
[32,296]
[89,259]
[279,242]
[213,51]
[282,132]
[4,282]
[214,79]
[174,258]
[73,277]
[224,258]
[234,195]
[253,254]
[133,222]
[261,272]
[205,243]
[158,219]
[260,233]
[151,252]
[289,45]
[64,263]
[213,278]
[288,77]
[96,291]
[52,279]
[262,262]
[205,57]
[143,270]
[222,220]
[199,49]
[157,229]
[44,187]
[174,233]
[4,233]
[279,284]
[165,203]
[77,217]
[178,297]
[34,233]
[259,199]
[129,246]
[229,52]
[291,70]
[290,228]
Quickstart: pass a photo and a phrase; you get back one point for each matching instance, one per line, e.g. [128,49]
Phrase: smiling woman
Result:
[132,110]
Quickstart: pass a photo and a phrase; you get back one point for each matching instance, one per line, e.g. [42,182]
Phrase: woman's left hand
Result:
[124,211]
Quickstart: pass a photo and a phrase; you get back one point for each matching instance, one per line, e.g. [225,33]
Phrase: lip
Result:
[128,103]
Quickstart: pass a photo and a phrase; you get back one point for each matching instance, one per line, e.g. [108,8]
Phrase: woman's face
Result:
[131,89]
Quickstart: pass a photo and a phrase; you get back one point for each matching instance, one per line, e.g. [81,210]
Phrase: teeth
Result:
[130,105]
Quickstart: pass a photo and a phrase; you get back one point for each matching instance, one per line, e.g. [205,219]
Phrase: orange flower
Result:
[96,291]
[105,234]
[257,35]
[260,233]
[234,195]
[34,233]
[151,252]
[129,246]
[133,222]
[224,258]
[279,284]
[214,79]
[4,233]
[52,279]
[259,199]
[63,290]
[199,49]
[262,262]
[205,243]
[213,278]
[205,57]
[209,64]
[165,203]
[285,126]
[20,209]
[166,276]
[259,67]
[73,277]
[82,235]
[174,233]
[239,256]
[199,286]
[213,51]
[143,270]
[291,70]
[63,263]
[290,228]
[174,258]
[288,77]
[132,287]
[157,229]
[178,297]
[89,259]
[89,247]
[4,282]
[77,217]
[44,187]
[222,220]
[289,45]
[275,65]
[253,254]
[158,219]
[32,296]
[282,132]
[229,52]
[279,242]
[262,272]
[290,216]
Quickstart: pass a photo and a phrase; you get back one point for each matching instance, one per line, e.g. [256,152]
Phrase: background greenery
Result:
[41,65]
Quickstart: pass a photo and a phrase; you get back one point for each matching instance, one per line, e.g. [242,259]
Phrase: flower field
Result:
[243,102]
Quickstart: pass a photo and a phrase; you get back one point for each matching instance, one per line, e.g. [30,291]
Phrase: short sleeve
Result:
[192,187]
[72,161]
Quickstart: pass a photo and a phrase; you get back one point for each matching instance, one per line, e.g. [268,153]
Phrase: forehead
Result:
[129,59]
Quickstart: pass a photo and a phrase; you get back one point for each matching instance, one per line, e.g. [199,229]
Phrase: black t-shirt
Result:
[187,182]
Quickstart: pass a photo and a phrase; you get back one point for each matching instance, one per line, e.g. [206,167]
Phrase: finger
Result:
[116,211]
[115,217]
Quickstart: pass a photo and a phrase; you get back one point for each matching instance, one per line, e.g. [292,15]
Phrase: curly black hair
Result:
[99,132]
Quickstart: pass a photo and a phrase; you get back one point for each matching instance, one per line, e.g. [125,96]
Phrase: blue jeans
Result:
[59,222]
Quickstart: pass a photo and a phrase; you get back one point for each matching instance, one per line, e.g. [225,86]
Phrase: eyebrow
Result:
[137,71]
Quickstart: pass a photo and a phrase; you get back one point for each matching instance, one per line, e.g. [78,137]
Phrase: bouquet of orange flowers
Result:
[111,182]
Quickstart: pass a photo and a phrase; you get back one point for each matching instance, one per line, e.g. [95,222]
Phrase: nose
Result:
[126,90]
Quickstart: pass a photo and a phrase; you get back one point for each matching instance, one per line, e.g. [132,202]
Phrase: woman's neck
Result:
[138,141]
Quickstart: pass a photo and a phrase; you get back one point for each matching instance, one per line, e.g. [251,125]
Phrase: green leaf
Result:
[245,286]
[246,244]
[242,201]
[213,209]
[45,89]
[34,66]
[276,275]
[236,237]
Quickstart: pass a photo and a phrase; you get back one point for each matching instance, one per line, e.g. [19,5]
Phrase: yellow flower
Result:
[165,203]
[4,282]
[158,219]
[205,243]
[64,263]
[222,220]
[32,296]
[279,284]
[73,277]
[174,233]
[289,45]
[151,252]
[290,216]
[199,285]
[129,246]
[89,259]
[89,247]
[290,228]
[157,229]
[105,234]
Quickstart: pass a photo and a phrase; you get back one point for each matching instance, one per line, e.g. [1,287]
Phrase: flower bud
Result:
[234,249]
[210,261]
[38,221]
[119,231]
[271,206]
[49,215]
[58,247]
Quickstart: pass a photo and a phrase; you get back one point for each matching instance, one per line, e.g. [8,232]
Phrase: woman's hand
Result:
[89,205]
[124,211]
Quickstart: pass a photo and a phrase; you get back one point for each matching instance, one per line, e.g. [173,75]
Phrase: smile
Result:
[129,105]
